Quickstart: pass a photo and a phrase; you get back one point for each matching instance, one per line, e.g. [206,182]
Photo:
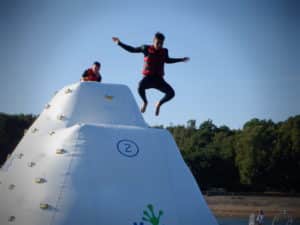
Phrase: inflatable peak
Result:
[90,159]
[95,103]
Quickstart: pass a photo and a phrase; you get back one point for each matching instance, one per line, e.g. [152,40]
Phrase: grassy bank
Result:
[242,206]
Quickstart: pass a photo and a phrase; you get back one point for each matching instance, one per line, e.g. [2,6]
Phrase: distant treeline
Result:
[262,156]
[12,129]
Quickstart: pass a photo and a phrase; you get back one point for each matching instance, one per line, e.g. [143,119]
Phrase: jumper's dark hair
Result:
[97,63]
[159,36]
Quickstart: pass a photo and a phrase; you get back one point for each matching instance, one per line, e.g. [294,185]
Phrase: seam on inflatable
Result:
[60,195]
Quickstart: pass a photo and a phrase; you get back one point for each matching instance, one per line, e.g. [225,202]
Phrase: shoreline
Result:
[243,206]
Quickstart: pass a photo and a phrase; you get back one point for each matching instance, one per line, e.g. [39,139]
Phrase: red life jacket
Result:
[154,62]
[92,76]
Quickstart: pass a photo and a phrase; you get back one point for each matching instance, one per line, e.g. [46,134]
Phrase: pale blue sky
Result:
[244,54]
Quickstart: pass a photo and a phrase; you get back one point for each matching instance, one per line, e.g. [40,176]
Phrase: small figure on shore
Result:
[155,56]
[251,219]
[93,73]
[260,217]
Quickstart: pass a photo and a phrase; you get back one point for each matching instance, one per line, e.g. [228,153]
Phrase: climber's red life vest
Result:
[91,76]
[154,62]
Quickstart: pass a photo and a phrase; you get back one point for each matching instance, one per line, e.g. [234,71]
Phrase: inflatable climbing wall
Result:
[90,159]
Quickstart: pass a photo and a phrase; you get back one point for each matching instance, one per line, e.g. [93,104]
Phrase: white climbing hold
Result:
[51,133]
[20,155]
[47,106]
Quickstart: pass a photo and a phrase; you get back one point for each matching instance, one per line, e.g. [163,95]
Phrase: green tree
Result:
[286,156]
[253,152]
[11,131]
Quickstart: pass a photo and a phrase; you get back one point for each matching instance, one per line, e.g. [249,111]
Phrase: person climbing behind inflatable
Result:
[155,56]
[92,74]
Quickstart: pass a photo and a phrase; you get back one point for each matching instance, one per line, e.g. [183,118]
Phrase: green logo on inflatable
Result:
[150,217]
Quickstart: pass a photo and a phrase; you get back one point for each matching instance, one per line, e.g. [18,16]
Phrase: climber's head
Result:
[96,67]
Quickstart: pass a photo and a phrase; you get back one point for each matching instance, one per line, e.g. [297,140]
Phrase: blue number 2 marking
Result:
[128,148]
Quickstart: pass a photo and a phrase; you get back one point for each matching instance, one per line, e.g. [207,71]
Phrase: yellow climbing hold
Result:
[39,180]
[11,186]
[31,164]
[44,206]
[60,117]
[11,218]
[67,91]
[109,97]
[34,130]
[60,151]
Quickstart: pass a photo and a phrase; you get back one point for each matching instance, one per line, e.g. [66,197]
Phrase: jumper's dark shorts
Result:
[158,83]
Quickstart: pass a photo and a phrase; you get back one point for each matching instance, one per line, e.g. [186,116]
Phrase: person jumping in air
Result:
[155,56]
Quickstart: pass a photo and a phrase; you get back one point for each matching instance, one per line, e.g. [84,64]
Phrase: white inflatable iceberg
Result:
[90,159]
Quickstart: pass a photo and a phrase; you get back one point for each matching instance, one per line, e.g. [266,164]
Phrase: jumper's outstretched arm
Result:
[127,47]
